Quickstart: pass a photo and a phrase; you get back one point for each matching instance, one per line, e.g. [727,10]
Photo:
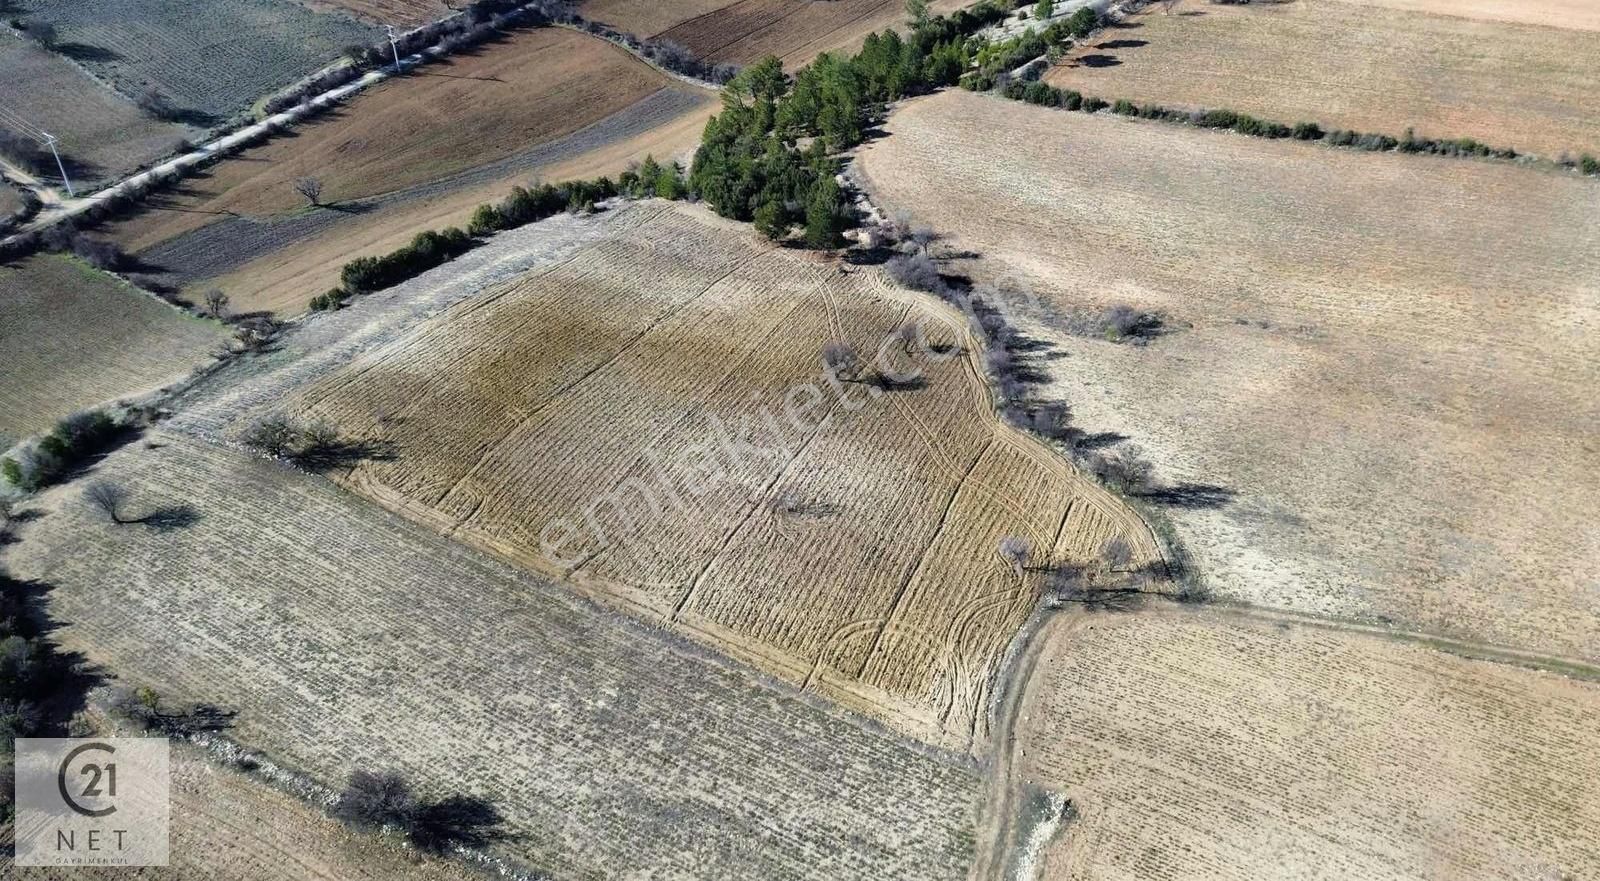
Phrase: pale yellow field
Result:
[1579,14]
[1210,745]
[1350,66]
[1389,360]
[853,550]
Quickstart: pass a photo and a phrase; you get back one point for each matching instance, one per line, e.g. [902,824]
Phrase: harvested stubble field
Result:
[856,556]
[213,64]
[1579,14]
[745,31]
[72,337]
[228,826]
[347,637]
[1200,744]
[411,154]
[411,13]
[1509,85]
[1389,360]
[103,135]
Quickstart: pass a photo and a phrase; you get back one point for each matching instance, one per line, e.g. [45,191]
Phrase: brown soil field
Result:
[647,19]
[103,135]
[72,337]
[1201,744]
[1509,85]
[794,30]
[225,825]
[409,13]
[1341,356]
[346,637]
[1579,14]
[413,154]
[818,556]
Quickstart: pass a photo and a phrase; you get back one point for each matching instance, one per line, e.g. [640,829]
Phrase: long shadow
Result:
[346,454]
[1122,44]
[86,52]
[169,518]
[48,684]
[1192,496]
[1096,60]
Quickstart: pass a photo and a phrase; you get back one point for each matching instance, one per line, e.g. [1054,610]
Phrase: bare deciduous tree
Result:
[42,32]
[216,303]
[1115,553]
[1014,550]
[311,188]
[108,499]
[272,434]
[842,361]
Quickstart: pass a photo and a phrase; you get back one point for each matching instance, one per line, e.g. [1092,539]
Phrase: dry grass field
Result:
[103,135]
[1579,14]
[213,64]
[227,826]
[72,337]
[346,637]
[1331,62]
[414,154]
[1209,745]
[1388,360]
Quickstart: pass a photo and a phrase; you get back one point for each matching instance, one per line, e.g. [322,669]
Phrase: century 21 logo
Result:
[102,782]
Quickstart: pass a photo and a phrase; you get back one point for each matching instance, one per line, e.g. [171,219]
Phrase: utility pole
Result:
[393,46]
[50,141]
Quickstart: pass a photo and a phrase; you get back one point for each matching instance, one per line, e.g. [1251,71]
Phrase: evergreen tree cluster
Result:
[768,157]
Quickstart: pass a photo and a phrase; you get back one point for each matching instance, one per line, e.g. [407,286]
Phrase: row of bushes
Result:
[1047,95]
[73,442]
[524,205]
[662,53]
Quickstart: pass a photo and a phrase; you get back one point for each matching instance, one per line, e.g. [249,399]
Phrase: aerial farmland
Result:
[851,440]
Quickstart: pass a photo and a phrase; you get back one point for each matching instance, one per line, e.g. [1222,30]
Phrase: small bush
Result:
[1094,105]
[1124,107]
[1307,131]
[1588,164]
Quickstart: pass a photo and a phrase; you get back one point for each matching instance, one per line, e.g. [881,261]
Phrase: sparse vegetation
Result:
[74,441]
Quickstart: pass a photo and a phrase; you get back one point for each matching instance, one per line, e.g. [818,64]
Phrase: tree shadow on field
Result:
[1122,44]
[346,454]
[48,684]
[170,518]
[1096,60]
[86,52]
[1191,496]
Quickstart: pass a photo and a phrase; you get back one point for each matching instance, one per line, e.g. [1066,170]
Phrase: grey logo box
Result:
[96,801]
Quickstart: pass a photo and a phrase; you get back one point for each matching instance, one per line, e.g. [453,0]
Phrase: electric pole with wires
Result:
[50,141]
[393,46]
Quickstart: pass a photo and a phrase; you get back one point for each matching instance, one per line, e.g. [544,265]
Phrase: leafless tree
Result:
[318,437]
[108,499]
[309,187]
[1168,5]
[907,334]
[1014,550]
[216,303]
[1115,554]
[842,361]
[272,434]
[43,33]
[1126,470]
